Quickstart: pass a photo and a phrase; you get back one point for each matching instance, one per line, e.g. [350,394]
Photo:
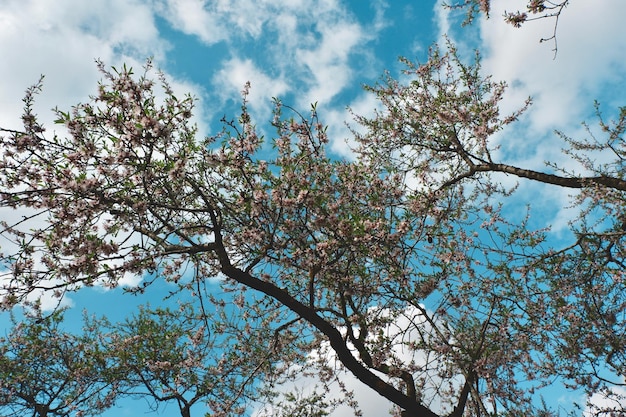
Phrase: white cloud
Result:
[591,47]
[61,39]
[248,16]
[600,404]
[369,402]
[590,62]
[193,18]
[442,18]
[328,64]
[214,21]
[231,78]
[380,20]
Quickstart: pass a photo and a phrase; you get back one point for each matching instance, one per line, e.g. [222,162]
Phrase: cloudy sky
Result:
[314,51]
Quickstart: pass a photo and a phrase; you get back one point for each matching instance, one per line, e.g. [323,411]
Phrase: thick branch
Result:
[359,344]
[568,182]
[333,335]
[460,407]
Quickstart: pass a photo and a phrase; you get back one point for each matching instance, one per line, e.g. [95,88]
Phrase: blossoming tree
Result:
[45,371]
[178,356]
[559,310]
[401,266]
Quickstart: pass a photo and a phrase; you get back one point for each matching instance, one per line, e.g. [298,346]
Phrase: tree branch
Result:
[568,182]
[332,334]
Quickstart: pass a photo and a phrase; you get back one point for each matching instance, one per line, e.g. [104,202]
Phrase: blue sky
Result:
[302,52]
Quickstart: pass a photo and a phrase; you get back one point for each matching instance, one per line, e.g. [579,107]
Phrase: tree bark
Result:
[568,182]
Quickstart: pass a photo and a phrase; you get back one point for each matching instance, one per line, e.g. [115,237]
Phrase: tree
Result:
[566,303]
[403,263]
[45,371]
[179,356]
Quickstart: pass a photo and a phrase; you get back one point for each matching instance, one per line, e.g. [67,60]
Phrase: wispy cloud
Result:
[328,63]
[230,79]
[193,18]
[309,53]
